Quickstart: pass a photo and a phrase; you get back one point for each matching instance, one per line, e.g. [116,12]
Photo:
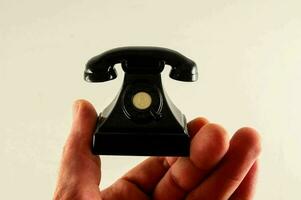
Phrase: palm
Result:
[215,169]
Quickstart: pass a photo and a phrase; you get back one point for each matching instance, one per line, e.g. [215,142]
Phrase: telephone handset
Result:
[141,120]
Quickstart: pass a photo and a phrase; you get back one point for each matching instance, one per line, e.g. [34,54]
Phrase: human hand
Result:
[217,168]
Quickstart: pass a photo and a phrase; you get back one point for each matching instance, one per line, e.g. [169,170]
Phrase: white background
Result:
[248,55]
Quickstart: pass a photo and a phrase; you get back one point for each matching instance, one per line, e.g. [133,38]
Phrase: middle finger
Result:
[208,147]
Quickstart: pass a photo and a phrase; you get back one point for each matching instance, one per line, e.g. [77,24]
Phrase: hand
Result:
[217,169]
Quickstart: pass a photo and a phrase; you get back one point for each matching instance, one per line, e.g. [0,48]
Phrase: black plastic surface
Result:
[122,129]
[141,144]
[146,60]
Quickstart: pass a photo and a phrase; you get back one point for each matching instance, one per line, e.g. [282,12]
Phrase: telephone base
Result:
[141,144]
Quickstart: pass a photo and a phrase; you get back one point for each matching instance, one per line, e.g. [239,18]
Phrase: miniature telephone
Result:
[141,120]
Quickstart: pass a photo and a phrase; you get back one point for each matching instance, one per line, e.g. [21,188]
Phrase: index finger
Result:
[147,174]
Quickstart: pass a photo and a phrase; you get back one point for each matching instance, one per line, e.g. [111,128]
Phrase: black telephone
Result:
[141,120]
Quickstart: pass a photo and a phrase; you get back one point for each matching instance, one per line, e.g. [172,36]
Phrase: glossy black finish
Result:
[122,129]
[142,60]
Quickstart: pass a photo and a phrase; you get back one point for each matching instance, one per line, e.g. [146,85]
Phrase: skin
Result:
[218,167]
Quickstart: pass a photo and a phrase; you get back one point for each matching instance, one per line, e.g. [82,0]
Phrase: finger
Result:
[78,162]
[123,190]
[243,151]
[83,125]
[193,127]
[147,174]
[246,189]
[208,147]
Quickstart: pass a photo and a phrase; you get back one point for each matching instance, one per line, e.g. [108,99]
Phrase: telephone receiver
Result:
[140,60]
[141,120]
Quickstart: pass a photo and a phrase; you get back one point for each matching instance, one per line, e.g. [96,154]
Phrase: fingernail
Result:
[75,108]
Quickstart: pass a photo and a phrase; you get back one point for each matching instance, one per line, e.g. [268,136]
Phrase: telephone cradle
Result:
[141,120]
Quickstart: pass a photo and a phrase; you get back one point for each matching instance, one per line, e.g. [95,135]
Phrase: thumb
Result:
[79,167]
[83,125]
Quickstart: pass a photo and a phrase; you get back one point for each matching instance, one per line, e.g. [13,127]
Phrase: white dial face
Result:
[142,100]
